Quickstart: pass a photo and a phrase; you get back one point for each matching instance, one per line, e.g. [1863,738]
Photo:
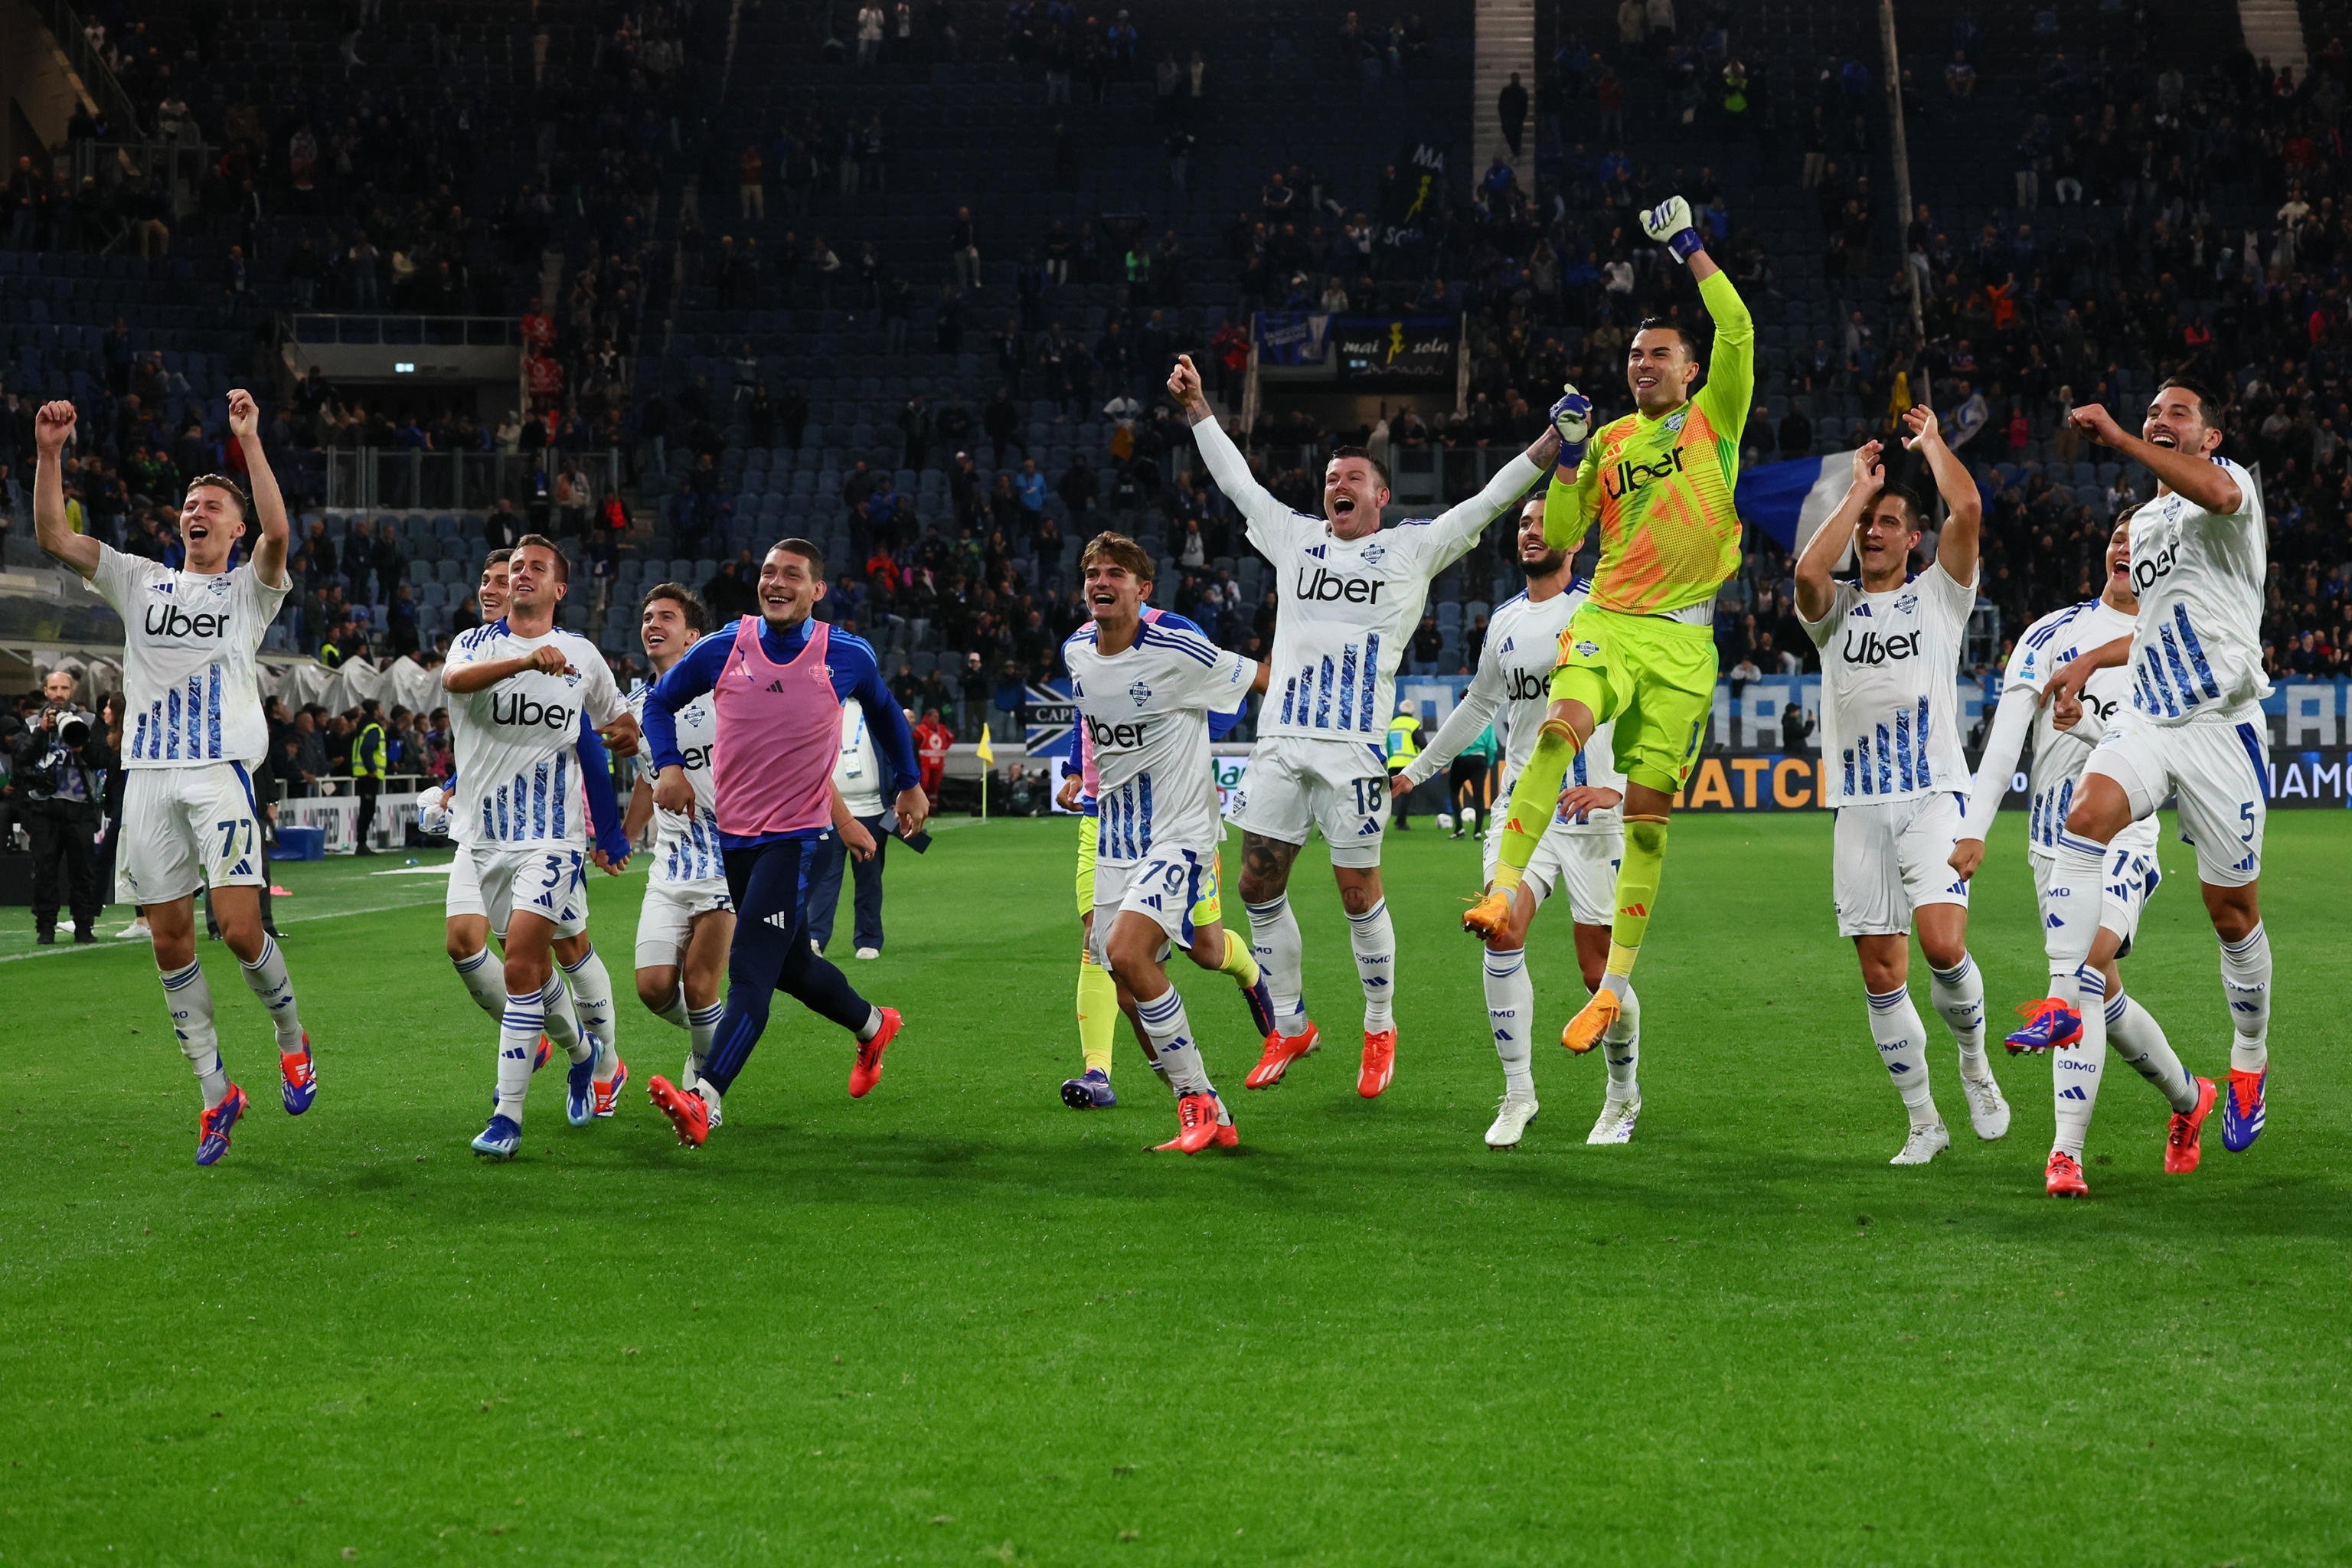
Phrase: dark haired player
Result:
[192,729]
[1350,594]
[1890,642]
[2194,731]
[1640,656]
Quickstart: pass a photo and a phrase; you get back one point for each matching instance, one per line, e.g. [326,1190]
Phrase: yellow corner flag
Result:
[984,752]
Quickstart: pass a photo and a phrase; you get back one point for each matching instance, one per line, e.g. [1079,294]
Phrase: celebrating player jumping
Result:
[1659,483]
[195,729]
[1350,594]
[1890,646]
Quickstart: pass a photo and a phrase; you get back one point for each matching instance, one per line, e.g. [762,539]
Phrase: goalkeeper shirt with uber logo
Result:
[1662,488]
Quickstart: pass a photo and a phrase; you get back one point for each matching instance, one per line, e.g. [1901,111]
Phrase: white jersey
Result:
[1146,712]
[1348,607]
[2198,647]
[2056,770]
[857,769]
[517,740]
[1890,700]
[191,688]
[686,843]
[1512,688]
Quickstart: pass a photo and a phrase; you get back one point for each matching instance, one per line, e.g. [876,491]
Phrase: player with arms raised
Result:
[2060,752]
[1640,654]
[1890,646]
[1144,691]
[1579,851]
[523,686]
[193,729]
[2194,731]
[1350,595]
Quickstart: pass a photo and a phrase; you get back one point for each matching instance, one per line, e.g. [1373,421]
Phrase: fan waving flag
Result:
[1790,500]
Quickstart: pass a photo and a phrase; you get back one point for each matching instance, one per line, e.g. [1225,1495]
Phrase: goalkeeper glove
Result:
[1572,418]
[1669,222]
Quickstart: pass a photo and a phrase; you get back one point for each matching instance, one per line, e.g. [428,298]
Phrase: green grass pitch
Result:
[958,1323]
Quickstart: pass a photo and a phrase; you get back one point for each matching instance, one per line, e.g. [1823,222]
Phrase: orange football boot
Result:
[1489,914]
[1281,1050]
[2183,1144]
[1591,1021]
[2063,1177]
[690,1115]
[1196,1122]
[1380,1063]
[867,1069]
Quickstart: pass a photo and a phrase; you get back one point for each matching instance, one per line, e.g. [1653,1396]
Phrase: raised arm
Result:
[1260,511]
[268,504]
[2191,474]
[1957,547]
[1816,594]
[53,426]
[1453,531]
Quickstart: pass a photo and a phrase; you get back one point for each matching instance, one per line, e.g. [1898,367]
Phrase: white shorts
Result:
[2132,875]
[187,828]
[1295,785]
[1891,856]
[1162,886]
[2217,771]
[494,881]
[1585,863]
[667,918]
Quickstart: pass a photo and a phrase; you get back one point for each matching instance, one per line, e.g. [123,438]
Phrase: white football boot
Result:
[1511,1119]
[1922,1145]
[1616,1123]
[1988,1112]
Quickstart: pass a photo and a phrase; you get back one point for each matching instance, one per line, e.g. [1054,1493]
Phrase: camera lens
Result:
[73,730]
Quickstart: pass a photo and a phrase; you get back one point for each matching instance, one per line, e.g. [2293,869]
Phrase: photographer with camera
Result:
[59,781]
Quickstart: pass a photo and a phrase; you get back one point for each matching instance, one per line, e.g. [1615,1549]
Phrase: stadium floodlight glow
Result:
[403,367]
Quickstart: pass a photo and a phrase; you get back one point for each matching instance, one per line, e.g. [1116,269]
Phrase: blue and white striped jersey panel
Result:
[519,777]
[1345,614]
[1146,709]
[686,844]
[2197,647]
[1890,702]
[191,684]
[2054,772]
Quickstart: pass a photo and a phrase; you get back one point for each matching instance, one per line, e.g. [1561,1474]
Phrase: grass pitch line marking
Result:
[62,949]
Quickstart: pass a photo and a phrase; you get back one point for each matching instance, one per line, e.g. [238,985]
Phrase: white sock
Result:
[1510,1013]
[2076,1072]
[2077,892]
[1172,1044]
[2133,1034]
[1621,1048]
[560,1022]
[674,1011]
[1276,945]
[266,977]
[702,1028]
[1903,1048]
[592,996]
[2246,981]
[486,981]
[190,998]
[521,1022]
[1374,939]
[1959,994]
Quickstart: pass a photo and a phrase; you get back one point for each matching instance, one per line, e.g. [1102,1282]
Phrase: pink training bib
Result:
[779,729]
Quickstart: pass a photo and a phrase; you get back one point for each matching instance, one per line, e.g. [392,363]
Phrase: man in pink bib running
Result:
[777,682]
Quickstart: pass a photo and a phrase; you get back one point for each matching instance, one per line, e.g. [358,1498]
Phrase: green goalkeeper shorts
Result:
[1651,679]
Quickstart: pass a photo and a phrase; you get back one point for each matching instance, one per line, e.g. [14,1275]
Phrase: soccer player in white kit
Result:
[1580,849]
[687,921]
[2059,755]
[1144,691]
[193,728]
[1350,595]
[524,687]
[2194,729]
[583,1000]
[1890,647]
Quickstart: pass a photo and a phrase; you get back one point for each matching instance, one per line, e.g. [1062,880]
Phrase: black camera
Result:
[73,727]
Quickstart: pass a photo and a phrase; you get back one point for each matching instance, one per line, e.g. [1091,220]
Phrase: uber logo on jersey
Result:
[1328,587]
[2145,573]
[519,708]
[1526,686]
[1630,478]
[1872,649]
[168,620]
[694,758]
[1119,735]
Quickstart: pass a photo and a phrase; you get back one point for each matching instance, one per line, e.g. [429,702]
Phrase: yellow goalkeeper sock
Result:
[1098,1012]
[1240,963]
[1533,799]
[1644,861]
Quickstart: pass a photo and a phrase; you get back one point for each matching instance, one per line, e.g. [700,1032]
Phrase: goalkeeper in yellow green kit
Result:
[1640,654]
